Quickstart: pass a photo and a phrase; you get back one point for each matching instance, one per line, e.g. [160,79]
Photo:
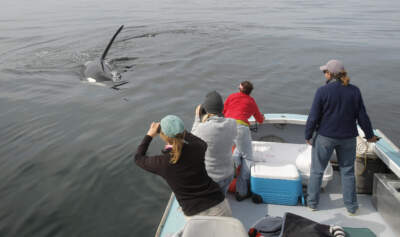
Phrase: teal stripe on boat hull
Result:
[174,221]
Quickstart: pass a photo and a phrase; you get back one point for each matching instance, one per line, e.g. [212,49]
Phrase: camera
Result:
[159,128]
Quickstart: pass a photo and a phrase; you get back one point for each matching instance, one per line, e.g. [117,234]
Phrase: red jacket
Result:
[240,106]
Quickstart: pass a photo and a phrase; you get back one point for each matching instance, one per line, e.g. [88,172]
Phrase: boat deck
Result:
[331,211]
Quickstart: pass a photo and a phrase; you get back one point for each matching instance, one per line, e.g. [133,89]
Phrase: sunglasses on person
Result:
[324,71]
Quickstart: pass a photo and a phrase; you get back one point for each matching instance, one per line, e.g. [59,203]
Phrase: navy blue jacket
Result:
[335,111]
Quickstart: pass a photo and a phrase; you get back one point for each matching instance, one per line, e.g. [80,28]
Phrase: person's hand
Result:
[197,112]
[153,129]
[309,142]
[373,139]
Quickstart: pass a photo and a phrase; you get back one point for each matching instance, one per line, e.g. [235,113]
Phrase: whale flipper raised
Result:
[101,71]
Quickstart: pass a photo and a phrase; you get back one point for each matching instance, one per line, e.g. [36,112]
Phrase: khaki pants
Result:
[221,209]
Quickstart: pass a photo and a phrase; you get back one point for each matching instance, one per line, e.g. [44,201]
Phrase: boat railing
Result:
[165,215]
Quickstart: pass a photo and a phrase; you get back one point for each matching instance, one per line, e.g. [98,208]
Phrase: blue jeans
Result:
[321,153]
[243,156]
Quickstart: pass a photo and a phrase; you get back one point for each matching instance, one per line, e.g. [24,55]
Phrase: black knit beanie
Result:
[213,103]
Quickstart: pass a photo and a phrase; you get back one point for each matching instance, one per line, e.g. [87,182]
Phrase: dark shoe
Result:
[312,208]
[240,198]
[352,212]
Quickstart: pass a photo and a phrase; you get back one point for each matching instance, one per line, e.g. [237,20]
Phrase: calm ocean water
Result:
[66,147]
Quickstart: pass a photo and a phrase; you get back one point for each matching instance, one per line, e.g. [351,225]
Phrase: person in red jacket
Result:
[241,106]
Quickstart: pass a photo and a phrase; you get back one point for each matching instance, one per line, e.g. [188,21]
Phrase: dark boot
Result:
[240,198]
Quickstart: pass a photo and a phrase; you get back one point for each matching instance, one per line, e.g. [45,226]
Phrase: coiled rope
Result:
[362,148]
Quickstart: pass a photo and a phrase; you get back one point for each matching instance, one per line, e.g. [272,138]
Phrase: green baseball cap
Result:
[171,125]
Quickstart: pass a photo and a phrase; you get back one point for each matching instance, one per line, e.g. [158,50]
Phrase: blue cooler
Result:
[276,184]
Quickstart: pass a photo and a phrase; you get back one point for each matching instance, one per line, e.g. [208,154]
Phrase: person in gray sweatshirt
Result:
[219,134]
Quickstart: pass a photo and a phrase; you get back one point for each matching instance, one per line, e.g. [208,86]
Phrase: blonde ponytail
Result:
[177,145]
[342,76]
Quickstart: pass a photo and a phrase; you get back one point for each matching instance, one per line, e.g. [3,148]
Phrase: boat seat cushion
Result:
[206,226]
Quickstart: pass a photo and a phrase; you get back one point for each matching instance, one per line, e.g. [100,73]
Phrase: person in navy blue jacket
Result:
[337,108]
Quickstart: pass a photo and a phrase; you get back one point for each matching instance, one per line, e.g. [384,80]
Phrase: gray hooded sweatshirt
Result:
[219,134]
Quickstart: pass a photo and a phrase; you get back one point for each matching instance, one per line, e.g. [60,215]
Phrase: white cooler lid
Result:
[273,171]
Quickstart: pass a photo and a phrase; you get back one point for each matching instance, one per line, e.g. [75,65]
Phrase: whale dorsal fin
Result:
[103,56]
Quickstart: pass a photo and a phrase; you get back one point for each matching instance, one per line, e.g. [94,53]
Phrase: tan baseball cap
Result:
[334,66]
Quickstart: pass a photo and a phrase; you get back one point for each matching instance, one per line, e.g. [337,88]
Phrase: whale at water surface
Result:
[102,71]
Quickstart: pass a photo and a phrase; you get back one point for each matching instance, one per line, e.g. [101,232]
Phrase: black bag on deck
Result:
[293,225]
[268,226]
[298,226]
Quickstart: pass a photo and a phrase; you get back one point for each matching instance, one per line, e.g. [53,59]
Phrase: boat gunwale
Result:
[383,152]
[165,214]
[282,118]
